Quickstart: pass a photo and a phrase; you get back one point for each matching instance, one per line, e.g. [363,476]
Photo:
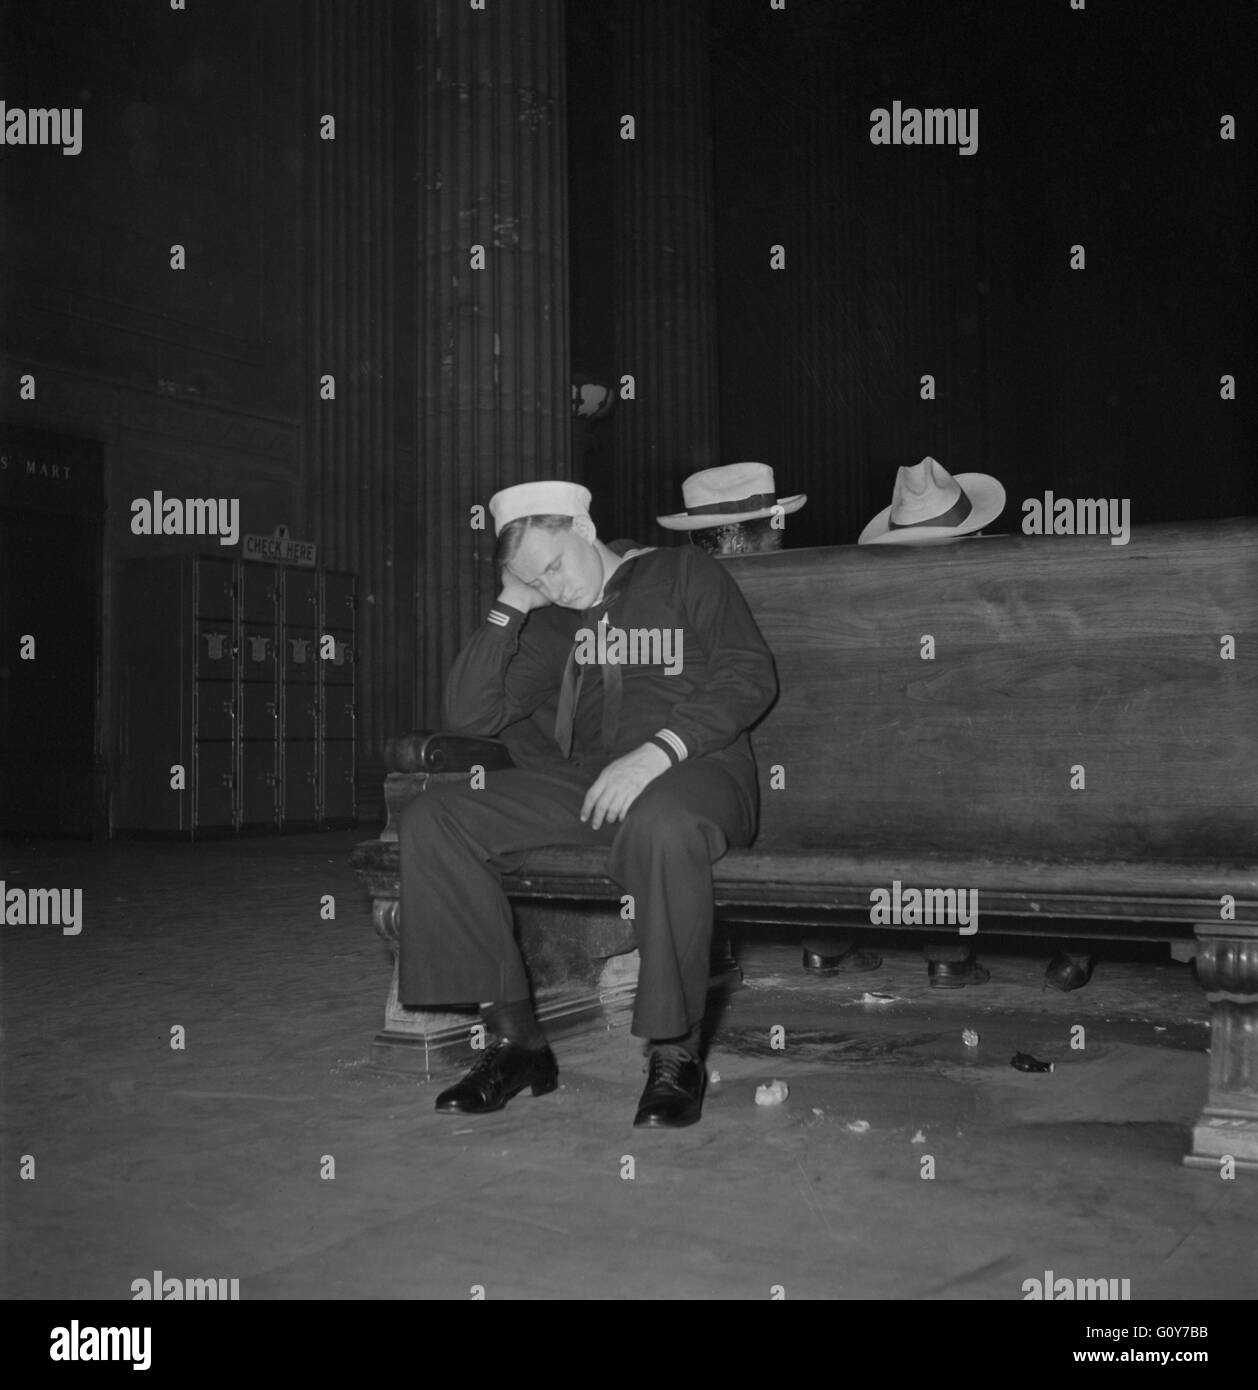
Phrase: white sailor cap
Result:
[551,498]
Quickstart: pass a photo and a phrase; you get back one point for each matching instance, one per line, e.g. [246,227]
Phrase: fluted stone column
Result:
[349,447]
[487,314]
[825,387]
[493,389]
[665,261]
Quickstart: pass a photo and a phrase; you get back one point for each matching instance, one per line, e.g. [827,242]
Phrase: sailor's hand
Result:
[520,596]
[620,783]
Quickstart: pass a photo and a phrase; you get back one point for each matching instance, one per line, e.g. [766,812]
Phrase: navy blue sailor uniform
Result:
[564,720]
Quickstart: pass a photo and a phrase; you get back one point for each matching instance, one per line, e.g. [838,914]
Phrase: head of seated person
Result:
[739,537]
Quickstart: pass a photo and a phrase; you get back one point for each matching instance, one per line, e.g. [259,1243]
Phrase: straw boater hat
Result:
[734,492]
[538,499]
[931,507]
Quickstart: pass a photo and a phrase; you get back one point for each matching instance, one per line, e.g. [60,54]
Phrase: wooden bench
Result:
[1054,722]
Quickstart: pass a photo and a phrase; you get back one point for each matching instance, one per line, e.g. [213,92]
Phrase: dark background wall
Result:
[187,381]
[190,124]
[1098,127]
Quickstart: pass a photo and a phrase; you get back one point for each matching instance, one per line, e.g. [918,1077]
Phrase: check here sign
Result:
[280,548]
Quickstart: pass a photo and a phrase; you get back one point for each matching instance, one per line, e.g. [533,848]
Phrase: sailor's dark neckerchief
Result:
[573,676]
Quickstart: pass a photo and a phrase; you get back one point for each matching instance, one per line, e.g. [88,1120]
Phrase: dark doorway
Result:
[49,612]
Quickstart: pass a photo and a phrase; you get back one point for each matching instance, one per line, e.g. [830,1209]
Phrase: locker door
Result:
[301,783]
[301,711]
[259,695]
[339,713]
[338,698]
[301,598]
[215,790]
[215,588]
[301,682]
[259,711]
[216,649]
[259,785]
[214,687]
[299,700]
[215,700]
[215,710]
[259,593]
[339,793]
[258,652]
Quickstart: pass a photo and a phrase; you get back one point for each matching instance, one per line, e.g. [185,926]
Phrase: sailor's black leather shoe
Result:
[674,1090]
[503,1071]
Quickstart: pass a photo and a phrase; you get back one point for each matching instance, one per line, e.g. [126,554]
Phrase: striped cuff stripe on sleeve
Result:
[499,618]
[672,744]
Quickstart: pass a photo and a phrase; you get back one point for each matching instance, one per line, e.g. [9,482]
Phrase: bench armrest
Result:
[437,751]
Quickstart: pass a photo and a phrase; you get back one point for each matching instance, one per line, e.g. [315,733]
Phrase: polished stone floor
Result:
[269,1150]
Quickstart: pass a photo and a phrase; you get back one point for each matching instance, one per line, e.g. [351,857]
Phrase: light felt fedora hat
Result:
[733,492]
[931,507]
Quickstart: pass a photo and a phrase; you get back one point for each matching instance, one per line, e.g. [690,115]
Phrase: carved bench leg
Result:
[417,1040]
[566,996]
[583,969]
[422,1040]
[1227,966]
[618,985]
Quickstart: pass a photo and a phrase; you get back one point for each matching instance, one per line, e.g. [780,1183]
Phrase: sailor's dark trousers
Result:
[457,943]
